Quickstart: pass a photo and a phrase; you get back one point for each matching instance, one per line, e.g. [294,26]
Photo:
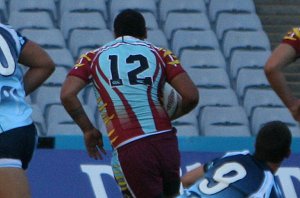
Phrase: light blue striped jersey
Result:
[14,110]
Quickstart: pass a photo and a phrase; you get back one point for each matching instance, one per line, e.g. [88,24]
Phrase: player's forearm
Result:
[185,106]
[278,82]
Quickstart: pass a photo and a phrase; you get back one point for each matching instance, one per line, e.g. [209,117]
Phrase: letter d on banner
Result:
[94,172]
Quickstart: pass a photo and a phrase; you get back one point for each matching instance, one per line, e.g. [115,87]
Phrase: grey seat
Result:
[3,11]
[235,6]
[202,58]
[194,39]
[260,98]
[224,116]
[158,38]
[42,37]
[84,6]
[210,77]
[251,79]
[47,6]
[63,129]
[250,40]
[192,21]
[233,21]
[80,39]
[151,21]
[39,120]
[247,59]
[71,21]
[61,57]
[30,20]
[262,115]
[57,77]
[117,6]
[227,131]
[166,7]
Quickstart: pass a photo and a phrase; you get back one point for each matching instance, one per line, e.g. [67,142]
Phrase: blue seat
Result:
[42,37]
[262,115]
[235,6]
[251,79]
[247,59]
[81,39]
[158,38]
[224,116]
[72,20]
[47,6]
[61,57]
[195,40]
[166,7]
[233,21]
[83,6]
[202,58]
[30,20]
[192,21]
[248,40]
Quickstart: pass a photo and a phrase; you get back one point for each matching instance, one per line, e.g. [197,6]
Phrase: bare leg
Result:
[13,183]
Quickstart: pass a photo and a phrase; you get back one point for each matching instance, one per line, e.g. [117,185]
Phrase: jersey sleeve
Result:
[292,38]
[173,66]
[82,67]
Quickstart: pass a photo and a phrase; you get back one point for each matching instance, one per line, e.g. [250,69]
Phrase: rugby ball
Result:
[171,99]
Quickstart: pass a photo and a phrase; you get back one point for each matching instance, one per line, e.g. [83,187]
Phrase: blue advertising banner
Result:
[72,174]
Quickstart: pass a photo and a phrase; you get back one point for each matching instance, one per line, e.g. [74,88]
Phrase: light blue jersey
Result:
[235,175]
[14,110]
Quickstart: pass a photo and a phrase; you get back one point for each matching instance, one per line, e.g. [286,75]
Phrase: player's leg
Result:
[137,169]
[16,149]
[14,183]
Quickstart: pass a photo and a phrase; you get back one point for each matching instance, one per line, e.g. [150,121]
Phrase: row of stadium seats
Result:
[221,44]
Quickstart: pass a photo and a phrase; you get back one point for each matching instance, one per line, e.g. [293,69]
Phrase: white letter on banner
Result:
[94,172]
[285,176]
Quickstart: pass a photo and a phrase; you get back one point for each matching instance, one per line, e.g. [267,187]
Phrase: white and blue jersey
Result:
[14,111]
[235,175]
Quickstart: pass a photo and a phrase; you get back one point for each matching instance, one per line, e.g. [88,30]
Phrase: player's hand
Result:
[295,110]
[94,143]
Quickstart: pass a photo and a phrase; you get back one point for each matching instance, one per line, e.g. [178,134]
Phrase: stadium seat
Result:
[247,59]
[251,78]
[195,40]
[42,37]
[140,5]
[227,130]
[151,21]
[166,7]
[260,98]
[158,38]
[63,129]
[61,57]
[224,116]
[234,6]
[71,21]
[187,125]
[191,21]
[80,39]
[30,20]
[98,6]
[248,40]
[262,115]
[209,77]
[201,58]
[57,77]
[47,6]
[54,110]
[39,120]
[241,22]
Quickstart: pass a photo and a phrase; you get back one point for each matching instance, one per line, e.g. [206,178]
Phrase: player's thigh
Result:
[13,183]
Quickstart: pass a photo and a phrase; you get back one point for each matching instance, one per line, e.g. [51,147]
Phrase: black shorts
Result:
[17,145]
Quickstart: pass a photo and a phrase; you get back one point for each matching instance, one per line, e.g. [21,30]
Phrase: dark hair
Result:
[130,22]
[273,142]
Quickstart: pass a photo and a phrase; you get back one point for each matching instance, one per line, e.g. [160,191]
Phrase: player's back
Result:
[15,112]
[236,175]
[128,75]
